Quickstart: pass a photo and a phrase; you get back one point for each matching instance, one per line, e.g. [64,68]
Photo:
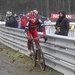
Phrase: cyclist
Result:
[31,30]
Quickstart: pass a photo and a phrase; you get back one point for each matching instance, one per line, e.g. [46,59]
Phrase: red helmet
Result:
[31,15]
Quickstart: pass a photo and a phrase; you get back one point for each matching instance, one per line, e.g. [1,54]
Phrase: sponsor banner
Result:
[69,16]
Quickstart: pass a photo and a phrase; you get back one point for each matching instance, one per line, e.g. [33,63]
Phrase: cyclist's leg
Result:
[28,43]
[31,49]
[35,35]
[40,56]
[39,51]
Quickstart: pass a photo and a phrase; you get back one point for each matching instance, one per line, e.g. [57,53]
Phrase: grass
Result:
[17,57]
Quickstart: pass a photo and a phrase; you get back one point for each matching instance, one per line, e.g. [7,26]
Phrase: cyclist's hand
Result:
[26,29]
[45,38]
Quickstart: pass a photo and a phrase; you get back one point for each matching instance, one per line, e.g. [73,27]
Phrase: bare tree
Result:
[69,6]
[47,7]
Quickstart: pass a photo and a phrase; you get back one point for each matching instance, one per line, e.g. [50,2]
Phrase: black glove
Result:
[26,29]
[45,38]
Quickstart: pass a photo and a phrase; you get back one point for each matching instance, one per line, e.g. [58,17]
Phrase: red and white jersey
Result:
[31,24]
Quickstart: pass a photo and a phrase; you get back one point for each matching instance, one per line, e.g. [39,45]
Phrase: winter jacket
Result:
[63,24]
[23,21]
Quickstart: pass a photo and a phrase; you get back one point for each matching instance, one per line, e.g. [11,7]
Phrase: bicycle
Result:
[35,53]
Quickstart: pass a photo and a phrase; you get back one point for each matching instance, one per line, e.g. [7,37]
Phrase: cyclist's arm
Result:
[26,29]
[27,25]
[43,30]
[42,27]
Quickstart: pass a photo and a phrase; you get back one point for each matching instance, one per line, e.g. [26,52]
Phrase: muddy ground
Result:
[14,63]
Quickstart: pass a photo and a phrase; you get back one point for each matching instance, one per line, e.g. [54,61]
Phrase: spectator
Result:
[19,22]
[62,24]
[47,23]
[40,18]
[15,19]
[23,21]
[9,19]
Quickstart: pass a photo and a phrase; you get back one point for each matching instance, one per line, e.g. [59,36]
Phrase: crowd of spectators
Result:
[16,21]
[19,21]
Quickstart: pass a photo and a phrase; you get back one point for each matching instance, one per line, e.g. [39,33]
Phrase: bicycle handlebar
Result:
[36,38]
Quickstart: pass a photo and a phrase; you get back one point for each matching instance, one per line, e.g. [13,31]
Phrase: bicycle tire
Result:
[33,56]
[42,65]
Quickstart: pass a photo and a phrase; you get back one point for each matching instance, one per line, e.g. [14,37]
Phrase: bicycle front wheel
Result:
[42,61]
[33,56]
